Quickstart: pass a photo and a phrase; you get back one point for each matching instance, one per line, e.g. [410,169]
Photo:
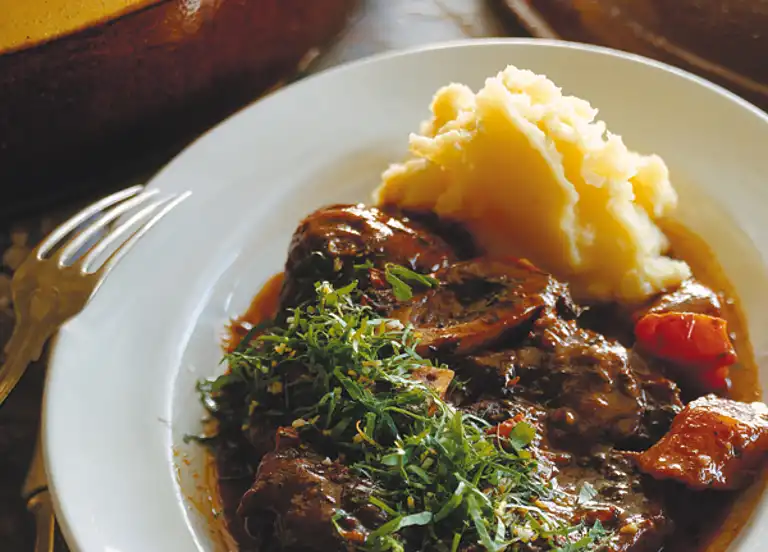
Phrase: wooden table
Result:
[379,25]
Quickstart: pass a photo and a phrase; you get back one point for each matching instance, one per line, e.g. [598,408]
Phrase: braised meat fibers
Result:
[331,242]
[516,348]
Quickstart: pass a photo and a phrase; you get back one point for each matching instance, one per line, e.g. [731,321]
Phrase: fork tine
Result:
[118,232]
[167,205]
[61,232]
[84,238]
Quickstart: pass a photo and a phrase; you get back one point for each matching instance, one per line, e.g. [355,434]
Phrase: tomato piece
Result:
[505,428]
[353,536]
[686,338]
[690,340]
[716,379]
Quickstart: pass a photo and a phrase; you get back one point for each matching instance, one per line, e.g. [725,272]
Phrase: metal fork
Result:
[39,503]
[52,285]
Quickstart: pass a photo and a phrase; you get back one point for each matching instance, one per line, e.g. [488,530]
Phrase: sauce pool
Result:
[262,309]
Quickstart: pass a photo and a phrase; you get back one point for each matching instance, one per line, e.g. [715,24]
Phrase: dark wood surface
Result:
[379,25]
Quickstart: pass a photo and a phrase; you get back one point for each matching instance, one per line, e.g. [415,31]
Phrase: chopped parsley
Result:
[401,279]
[337,370]
[587,492]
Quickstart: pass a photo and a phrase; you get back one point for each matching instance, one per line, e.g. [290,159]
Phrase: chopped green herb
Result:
[402,291]
[337,368]
[401,279]
[521,435]
[594,539]
[587,492]
[398,523]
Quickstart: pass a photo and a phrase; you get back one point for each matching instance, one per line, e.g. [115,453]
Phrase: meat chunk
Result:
[714,443]
[582,378]
[479,302]
[661,397]
[234,471]
[331,241]
[691,296]
[297,495]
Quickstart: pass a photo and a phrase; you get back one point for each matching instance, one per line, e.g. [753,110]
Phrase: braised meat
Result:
[714,443]
[297,497]
[661,397]
[479,302]
[582,378]
[330,242]
[546,425]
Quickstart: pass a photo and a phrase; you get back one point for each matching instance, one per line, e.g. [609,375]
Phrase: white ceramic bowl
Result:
[120,393]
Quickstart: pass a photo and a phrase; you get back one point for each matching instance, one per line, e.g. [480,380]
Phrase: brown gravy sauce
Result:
[726,514]
[262,308]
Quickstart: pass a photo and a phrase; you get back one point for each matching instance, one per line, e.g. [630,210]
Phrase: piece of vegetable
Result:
[401,279]
[689,340]
[504,428]
[715,379]
[517,433]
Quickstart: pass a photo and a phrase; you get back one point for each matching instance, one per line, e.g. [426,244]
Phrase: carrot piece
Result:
[689,340]
[715,379]
[686,338]
[504,429]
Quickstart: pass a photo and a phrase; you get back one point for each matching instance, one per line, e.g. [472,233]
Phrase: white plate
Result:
[120,392]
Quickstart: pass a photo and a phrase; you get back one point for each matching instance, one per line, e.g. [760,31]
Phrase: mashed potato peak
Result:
[532,174]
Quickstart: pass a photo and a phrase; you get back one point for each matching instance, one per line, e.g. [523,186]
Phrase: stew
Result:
[395,389]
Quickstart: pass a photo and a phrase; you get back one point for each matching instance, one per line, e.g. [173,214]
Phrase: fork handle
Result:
[24,347]
[45,522]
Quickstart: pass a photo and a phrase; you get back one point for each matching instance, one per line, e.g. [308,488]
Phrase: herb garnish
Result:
[587,492]
[398,277]
[338,370]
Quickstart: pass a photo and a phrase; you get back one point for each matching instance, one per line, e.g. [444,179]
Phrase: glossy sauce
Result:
[262,309]
[726,513]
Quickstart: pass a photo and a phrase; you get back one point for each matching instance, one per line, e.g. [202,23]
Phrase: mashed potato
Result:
[532,174]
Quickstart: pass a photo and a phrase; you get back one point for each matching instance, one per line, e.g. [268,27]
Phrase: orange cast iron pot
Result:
[89,86]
